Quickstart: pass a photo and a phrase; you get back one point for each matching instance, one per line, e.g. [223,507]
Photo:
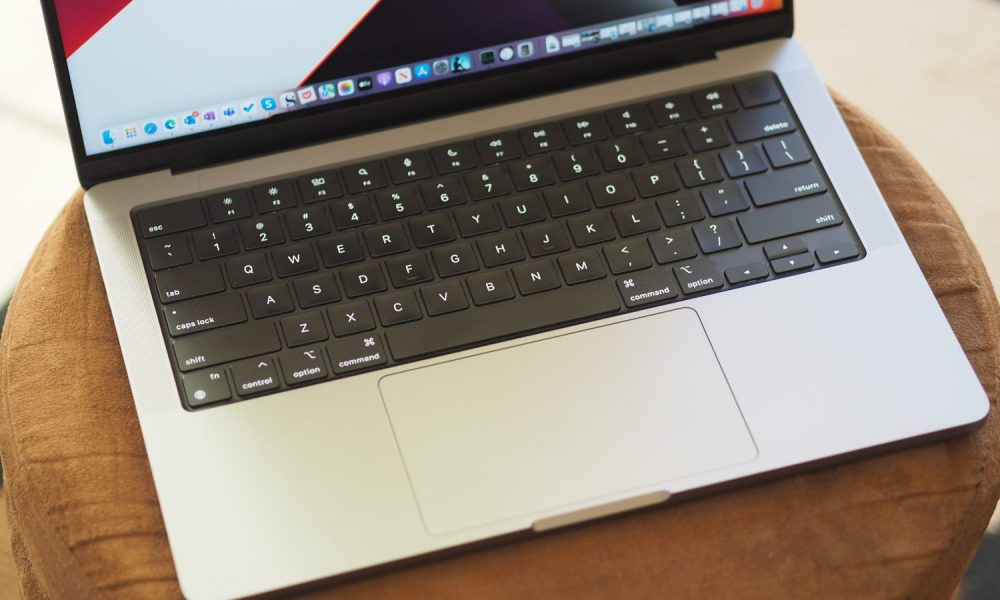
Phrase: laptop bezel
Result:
[319,125]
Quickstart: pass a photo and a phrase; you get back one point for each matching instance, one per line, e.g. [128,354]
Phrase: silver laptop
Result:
[393,277]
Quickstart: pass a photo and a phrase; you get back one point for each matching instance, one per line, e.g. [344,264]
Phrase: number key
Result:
[398,203]
[442,194]
[620,154]
[576,164]
[307,223]
[215,243]
[487,183]
[265,231]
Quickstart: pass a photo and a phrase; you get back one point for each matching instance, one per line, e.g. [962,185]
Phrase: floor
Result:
[926,69]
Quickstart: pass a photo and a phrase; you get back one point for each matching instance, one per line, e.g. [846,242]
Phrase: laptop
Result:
[393,278]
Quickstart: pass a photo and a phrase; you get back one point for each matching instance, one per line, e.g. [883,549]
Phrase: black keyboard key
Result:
[171,218]
[294,260]
[611,190]
[698,275]
[206,387]
[455,157]
[315,290]
[647,287]
[793,218]
[533,173]
[656,181]
[442,194]
[455,259]
[350,319]
[567,200]
[255,376]
[673,110]
[629,119]
[215,243]
[672,246]
[620,154]
[304,328]
[202,314]
[408,167]
[758,91]
[757,123]
[586,129]
[320,186]
[398,307]
[476,220]
[786,247]
[430,230]
[386,239]
[352,212]
[545,239]
[502,249]
[189,282]
[501,320]
[168,252]
[663,144]
[742,161]
[579,267]
[791,264]
[636,219]
[487,183]
[408,270]
[397,203]
[590,229]
[837,253]
[270,300]
[228,206]
[340,250]
[522,210]
[576,164]
[680,209]
[363,279]
[625,257]
[262,232]
[488,288]
[224,345]
[786,184]
[532,278]
[498,148]
[274,196]
[303,365]
[715,100]
[787,151]
[307,223]
[716,236]
[707,135]
[542,138]
[248,270]
[747,273]
[356,353]
[443,298]
[725,199]
[699,170]
[364,177]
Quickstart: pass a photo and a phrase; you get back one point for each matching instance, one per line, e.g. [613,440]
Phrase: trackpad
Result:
[524,431]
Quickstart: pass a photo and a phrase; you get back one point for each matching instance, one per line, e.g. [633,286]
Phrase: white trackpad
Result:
[524,431]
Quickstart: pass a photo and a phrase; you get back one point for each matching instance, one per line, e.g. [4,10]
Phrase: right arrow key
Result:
[837,253]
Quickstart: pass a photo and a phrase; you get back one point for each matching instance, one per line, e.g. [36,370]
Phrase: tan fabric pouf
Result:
[86,523]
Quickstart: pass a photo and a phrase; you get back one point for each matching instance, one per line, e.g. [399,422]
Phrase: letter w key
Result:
[294,260]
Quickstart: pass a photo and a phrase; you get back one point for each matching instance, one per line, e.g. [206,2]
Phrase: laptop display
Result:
[146,71]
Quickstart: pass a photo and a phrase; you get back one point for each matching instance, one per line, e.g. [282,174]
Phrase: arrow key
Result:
[746,273]
[837,253]
[798,262]
[783,248]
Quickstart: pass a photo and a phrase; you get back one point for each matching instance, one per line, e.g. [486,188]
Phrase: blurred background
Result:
[928,70]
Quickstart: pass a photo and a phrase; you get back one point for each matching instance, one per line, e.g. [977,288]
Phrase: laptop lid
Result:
[149,84]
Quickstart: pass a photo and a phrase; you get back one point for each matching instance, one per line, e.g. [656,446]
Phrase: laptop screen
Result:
[147,71]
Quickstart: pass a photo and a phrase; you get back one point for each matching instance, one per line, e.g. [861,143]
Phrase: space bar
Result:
[478,325]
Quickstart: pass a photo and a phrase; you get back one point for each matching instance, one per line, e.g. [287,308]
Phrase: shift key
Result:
[790,218]
[225,345]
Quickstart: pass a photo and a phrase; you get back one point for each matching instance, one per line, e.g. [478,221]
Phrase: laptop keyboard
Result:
[326,274]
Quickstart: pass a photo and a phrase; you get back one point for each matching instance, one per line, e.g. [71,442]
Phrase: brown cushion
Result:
[86,523]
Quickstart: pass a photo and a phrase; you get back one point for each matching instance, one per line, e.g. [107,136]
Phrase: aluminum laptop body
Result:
[547,428]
